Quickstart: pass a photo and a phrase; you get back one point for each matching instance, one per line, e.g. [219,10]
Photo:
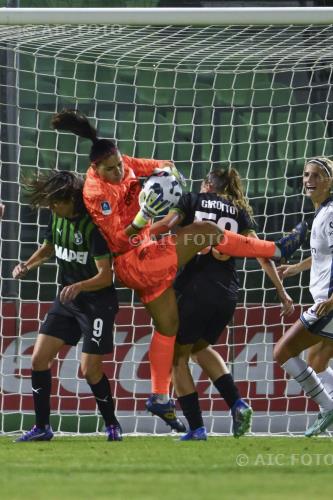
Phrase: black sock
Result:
[102,393]
[41,391]
[227,388]
[191,409]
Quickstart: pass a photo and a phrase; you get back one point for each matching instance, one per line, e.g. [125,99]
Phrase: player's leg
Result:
[92,370]
[286,353]
[194,313]
[194,237]
[187,394]
[45,350]
[318,357]
[214,367]
[96,320]
[164,312]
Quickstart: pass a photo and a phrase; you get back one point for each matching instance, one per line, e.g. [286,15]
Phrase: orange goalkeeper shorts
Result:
[149,269]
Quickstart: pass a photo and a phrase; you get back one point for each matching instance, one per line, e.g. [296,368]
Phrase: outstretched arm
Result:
[164,225]
[291,269]
[43,254]
[270,269]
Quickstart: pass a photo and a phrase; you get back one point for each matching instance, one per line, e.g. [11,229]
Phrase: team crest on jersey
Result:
[78,238]
[106,208]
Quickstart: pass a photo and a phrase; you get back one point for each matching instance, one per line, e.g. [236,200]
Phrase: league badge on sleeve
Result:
[106,208]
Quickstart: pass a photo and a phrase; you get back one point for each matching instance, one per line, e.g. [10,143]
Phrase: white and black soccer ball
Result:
[162,183]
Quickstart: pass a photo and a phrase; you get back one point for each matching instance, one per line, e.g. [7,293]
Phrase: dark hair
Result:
[227,183]
[76,122]
[55,186]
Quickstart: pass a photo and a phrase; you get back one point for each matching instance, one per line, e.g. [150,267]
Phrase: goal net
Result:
[258,97]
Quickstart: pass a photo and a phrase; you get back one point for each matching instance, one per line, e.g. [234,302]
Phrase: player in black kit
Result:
[86,305]
[207,290]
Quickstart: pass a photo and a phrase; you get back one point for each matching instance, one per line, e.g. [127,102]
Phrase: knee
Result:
[169,326]
[181,355]
[39,362]
[280,354]
[92,372]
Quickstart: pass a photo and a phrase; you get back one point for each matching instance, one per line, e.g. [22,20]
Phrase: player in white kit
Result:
[316,324]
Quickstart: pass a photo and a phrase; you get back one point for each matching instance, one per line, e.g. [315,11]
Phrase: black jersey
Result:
[77,244]
[214,208]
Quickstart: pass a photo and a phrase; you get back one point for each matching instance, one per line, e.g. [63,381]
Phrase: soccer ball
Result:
[164,183]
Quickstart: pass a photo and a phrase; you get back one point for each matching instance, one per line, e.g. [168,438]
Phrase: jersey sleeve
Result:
[141,166]
[48,234]
[245,223]
[185,208]
[98,246]
[329,230]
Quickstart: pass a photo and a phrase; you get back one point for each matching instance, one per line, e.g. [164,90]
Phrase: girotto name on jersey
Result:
[71,255]
[219,205]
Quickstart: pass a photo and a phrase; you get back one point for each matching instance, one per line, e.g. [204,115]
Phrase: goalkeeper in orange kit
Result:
[111,195]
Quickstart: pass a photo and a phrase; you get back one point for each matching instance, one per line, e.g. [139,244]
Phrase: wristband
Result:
[140,220]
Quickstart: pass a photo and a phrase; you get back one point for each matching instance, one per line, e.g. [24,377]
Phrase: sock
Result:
[326,378]
[41,391]
[160,357]
[102,393]
[228,389]
[237,245]
[191,410]
[308,380]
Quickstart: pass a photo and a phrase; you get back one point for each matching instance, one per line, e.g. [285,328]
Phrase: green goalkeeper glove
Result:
[152,206]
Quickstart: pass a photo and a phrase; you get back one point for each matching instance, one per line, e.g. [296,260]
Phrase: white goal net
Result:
[258,97]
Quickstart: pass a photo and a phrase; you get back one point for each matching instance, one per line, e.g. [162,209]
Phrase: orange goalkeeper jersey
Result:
[113,207]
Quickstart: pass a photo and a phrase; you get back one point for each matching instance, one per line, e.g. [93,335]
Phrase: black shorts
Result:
[205,309]
[94,320]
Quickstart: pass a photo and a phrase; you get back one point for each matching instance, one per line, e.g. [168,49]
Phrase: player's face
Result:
[111,169]
[316,183]
[63,208]
[205,187]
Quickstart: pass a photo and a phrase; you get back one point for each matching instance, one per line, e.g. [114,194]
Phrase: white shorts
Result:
[322,326]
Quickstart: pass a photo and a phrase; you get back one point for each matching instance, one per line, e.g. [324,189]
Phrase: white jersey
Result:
[321,242]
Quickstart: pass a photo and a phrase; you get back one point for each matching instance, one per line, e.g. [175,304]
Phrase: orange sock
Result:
[237,245]
[160,357]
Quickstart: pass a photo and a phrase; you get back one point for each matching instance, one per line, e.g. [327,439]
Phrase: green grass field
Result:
[163,468]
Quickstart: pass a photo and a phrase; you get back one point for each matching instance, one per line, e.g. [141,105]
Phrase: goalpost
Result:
[203,87]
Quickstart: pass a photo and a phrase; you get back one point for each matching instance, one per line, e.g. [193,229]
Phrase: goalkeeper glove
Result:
[153,205]
[172,169]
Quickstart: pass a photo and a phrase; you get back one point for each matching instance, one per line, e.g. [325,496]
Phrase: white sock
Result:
[326,378]
[309,381]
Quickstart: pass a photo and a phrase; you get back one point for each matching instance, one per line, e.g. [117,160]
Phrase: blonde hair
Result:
[324,163]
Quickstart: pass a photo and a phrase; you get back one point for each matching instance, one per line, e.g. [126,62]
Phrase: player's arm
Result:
[292,269]
[2,210]
[172,219]
[103,279]
[43,254]
[144,167]
[270,269]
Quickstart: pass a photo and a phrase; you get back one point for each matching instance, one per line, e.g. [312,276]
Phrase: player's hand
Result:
[70,292]
[324,308]
[286,270]
[20,271]
[152,206]
[287,306]
[172,169]
[2,210]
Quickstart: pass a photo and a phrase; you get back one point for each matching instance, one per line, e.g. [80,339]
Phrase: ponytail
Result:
[76,122]
[227,183]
